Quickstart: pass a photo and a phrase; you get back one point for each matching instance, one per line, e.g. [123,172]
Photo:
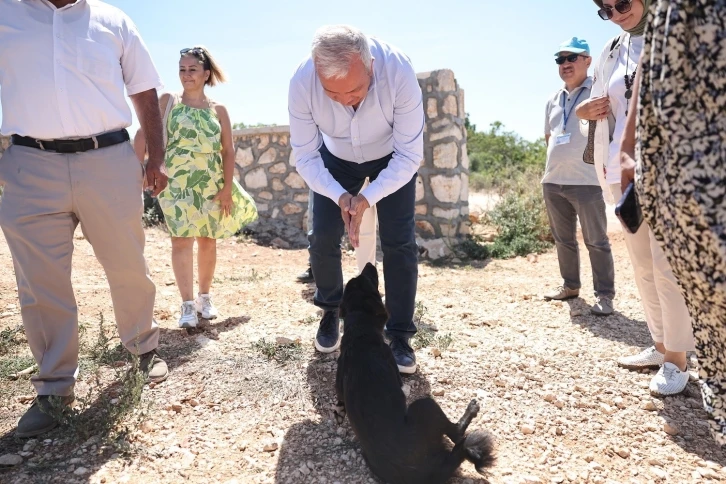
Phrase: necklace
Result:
[629,79]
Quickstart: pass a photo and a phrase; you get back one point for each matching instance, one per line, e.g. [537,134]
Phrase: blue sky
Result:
[500,51]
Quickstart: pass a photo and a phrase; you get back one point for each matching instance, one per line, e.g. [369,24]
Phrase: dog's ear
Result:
[375,306]
[370,273]
[342,310]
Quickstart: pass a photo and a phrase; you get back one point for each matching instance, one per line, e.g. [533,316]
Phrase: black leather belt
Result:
[73,145]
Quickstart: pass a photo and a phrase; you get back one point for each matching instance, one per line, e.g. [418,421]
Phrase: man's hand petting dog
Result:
[352,209]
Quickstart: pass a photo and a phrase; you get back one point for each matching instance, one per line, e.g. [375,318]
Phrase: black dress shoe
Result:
[306,275]
[327,339]
[403,354]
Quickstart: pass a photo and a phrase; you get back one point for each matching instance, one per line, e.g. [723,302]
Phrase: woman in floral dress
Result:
[681,170]
[203,201]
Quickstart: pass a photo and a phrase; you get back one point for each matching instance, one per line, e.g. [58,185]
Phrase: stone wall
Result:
[266,169]
[442,195]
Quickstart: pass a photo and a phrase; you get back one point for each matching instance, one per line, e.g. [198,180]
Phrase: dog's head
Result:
[361,295]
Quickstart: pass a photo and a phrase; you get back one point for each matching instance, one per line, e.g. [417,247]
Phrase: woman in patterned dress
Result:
[681,169]
[203,201]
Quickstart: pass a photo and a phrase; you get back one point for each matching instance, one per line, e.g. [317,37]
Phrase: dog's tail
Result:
[479,449]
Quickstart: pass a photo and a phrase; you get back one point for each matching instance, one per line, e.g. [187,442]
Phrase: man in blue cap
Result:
[571,188]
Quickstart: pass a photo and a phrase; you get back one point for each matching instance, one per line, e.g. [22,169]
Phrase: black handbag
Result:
[628,210]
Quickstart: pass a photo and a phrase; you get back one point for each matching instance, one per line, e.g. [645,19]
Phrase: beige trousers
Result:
[45,196]
[665,309]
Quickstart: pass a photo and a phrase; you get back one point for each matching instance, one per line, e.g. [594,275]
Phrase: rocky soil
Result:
[544,374]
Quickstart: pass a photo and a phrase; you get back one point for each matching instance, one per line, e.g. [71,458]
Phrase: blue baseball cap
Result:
[574,45]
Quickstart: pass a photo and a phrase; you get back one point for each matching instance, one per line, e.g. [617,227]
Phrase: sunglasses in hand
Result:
[623,6]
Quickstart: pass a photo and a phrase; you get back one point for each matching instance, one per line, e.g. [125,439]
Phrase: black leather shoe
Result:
[43,415]
[403,354]
[327,339]
[306,276]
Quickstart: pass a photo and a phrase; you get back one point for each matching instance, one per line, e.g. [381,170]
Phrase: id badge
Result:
[562,139]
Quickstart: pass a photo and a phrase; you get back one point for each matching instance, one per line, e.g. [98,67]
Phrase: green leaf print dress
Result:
[194,167]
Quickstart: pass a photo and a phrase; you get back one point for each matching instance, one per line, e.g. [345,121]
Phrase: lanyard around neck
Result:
[567,114]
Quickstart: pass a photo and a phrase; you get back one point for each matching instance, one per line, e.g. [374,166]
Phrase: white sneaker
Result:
[648,358]
[188,317]
[205,307]
[669,380]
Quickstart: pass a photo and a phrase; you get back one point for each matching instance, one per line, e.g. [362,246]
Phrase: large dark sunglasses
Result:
[569,58]
[623,6]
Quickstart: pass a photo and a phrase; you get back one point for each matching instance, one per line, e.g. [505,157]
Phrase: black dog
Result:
[401,445]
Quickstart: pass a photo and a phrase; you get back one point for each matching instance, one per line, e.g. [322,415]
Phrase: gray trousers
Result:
[45,196]
[565,204]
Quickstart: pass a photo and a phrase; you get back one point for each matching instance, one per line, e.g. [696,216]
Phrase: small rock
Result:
[439,393]
[550,397]
[406,388]
[576,312]
[707,473]
[152,385]
[527,429]
[177,407]
[531,480]
[279,243]
[193,402]
[659,473]
[75,460]
[649,406]
[670,429]
[624,453]
[30,445]
[655,462]
[589,458]
[436,352]
[304,470]
[10,460]
[147,426]
[271,447]
[81,471]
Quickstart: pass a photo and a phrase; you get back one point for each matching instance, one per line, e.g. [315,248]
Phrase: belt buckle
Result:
[67,146]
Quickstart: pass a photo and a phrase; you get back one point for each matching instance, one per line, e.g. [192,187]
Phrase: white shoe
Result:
[669,380]
[648,358]
[205,307]
[188,317]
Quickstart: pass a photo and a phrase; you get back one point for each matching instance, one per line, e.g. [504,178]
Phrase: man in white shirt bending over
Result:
[356,112]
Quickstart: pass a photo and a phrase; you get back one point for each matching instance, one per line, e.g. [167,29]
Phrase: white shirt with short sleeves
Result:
[63,71]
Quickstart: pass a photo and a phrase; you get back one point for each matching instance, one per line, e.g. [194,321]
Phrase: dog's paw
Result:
[473,408]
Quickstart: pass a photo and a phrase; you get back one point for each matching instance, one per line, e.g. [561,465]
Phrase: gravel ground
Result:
[544,374]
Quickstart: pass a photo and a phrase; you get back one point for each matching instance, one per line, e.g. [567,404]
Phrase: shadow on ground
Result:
[54,449]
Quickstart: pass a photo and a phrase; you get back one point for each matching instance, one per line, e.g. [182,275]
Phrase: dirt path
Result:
[544,374]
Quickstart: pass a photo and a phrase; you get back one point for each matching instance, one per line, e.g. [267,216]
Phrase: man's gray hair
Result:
[335,46]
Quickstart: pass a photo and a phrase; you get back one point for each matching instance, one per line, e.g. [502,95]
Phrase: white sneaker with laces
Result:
[205,307]
[669,380]
[648,358]
[188,317]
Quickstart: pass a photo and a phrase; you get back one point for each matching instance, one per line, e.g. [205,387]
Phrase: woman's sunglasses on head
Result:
[569,58]
[623,6]
[192,50]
